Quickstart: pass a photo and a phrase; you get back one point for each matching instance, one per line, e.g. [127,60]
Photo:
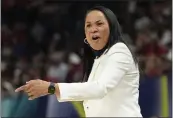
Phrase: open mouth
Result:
[95,37]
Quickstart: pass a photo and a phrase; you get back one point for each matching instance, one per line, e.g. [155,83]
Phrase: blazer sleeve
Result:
[117,64]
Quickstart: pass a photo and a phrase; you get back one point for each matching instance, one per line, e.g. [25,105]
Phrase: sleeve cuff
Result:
[65,93]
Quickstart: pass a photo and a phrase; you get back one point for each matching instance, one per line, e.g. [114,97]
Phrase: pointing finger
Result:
[20,88]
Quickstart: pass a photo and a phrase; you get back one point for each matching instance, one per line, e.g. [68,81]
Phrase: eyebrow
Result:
[96,21]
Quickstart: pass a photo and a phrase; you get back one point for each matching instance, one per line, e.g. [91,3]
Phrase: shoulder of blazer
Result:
[119,48]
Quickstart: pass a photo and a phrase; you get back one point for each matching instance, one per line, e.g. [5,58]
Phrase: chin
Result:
[97,48]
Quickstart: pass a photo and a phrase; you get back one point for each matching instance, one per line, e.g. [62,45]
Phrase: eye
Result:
[88,25]
[99,24]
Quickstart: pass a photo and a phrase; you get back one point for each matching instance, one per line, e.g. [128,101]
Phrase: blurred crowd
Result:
[34,44]
[153,38]
[44,40]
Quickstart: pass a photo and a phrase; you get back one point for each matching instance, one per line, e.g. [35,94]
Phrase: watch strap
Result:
[52,84]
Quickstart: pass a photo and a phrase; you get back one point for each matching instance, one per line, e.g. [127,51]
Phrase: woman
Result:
[111,87]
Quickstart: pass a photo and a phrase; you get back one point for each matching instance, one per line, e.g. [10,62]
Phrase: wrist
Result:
[47,84]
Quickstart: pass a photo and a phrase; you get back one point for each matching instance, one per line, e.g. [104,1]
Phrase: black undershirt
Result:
[98,53]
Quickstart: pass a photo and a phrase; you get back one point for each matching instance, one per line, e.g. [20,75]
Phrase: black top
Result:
[98,53]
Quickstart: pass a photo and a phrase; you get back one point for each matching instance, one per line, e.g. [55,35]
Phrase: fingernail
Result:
[30,99]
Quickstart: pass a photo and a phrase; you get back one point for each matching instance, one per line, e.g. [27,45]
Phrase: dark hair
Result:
[114,37]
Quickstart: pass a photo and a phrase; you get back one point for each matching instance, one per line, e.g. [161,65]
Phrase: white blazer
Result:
[112,87]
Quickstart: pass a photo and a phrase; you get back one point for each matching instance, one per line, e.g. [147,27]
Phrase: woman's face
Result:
[96,29]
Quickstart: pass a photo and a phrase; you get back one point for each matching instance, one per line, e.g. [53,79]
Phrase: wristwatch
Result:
[51,88]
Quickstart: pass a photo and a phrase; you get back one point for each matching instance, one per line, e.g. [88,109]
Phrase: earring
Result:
[85,41]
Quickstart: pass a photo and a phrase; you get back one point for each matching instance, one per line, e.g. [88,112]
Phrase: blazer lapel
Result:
[97,67]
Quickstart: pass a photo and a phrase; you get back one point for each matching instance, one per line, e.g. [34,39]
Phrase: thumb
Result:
[20,88]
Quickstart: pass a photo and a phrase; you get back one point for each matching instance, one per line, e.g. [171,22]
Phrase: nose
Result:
[93,29]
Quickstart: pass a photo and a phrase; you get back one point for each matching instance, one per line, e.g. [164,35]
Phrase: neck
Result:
[98,53]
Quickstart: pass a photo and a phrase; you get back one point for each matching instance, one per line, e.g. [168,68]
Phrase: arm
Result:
[118,63]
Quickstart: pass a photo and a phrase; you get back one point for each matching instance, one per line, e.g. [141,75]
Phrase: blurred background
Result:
[43,39]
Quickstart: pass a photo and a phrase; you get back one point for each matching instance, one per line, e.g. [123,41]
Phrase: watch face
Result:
[51,89]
